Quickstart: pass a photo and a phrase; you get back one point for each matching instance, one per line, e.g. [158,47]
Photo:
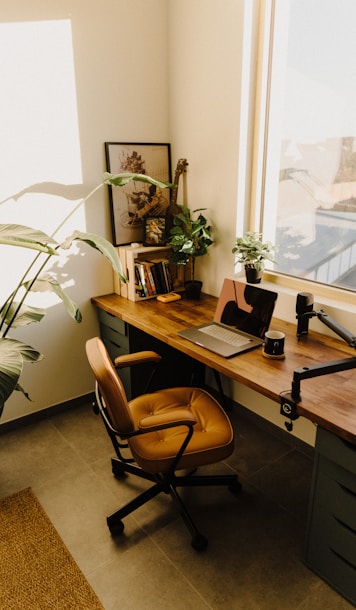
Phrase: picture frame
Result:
[131,204]
[154,231]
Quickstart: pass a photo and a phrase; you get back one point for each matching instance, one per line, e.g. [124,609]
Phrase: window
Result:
[306,198]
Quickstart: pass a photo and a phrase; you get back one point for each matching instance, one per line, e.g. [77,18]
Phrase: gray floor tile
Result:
[254,560]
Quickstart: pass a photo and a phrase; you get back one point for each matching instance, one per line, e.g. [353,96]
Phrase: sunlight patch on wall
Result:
[39,143]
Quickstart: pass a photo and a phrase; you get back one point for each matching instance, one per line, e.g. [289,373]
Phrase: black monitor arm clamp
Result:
[290,399]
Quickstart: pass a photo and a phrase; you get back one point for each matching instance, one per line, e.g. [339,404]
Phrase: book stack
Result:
[152,277]
[148,272]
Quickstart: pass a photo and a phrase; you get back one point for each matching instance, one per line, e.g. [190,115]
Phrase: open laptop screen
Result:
[247,307]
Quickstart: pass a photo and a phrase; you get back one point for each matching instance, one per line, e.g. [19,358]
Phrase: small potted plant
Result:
[250,251]
[190,237]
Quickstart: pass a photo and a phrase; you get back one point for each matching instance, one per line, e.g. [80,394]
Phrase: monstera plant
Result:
[15,312]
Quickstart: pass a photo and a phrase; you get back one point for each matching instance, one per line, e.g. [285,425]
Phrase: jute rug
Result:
[37,572]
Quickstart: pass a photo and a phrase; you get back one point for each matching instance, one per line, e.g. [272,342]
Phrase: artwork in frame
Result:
[131,204]
[154,231]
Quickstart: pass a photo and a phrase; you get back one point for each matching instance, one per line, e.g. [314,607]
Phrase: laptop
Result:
[243,315]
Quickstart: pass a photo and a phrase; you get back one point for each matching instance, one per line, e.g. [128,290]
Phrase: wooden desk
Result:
[328,400]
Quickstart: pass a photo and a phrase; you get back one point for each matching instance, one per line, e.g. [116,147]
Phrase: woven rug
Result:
[37,572]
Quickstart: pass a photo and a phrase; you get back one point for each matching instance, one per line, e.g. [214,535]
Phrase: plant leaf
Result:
[12,355]
[25,315]
[25,237]
[48,283]
[98,243]
[123,179]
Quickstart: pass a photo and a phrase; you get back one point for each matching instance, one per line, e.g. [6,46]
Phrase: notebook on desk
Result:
[243,315]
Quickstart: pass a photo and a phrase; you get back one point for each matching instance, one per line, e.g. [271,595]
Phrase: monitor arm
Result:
[289,400]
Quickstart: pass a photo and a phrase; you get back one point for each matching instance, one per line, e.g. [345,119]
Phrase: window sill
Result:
[337,303]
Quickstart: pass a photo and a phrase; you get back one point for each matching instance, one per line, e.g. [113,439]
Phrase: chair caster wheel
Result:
[235,488]
[118,472]
[199,542]
[116,528]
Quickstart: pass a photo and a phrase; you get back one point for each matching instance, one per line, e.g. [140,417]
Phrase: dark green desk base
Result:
[331,535]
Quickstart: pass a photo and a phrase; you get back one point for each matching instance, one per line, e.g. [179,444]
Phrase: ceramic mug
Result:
[274,344]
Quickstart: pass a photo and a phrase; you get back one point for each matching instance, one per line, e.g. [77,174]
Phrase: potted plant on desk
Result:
[190,237]
[252,252]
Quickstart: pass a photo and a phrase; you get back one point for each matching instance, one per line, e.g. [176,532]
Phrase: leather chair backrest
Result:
[110,386]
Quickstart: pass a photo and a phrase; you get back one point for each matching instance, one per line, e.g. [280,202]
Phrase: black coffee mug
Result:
[274,344]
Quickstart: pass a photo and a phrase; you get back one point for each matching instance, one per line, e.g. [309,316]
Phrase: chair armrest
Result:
[136,358]
[181,417]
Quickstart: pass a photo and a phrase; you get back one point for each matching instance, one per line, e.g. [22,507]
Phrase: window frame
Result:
[261,138]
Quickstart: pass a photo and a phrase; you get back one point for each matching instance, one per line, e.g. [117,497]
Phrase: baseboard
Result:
[32,418]
[230,404]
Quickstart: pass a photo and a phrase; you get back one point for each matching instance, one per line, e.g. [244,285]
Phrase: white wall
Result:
[75,73]
[205,50]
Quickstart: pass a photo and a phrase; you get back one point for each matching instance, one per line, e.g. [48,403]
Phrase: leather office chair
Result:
[165,431]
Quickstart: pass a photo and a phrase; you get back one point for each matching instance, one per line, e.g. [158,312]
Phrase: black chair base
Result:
[168,484]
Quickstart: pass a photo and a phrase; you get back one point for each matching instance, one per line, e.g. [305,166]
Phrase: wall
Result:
[77,73]
[205,50]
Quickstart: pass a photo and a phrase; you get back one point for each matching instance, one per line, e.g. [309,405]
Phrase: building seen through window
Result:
[309,198]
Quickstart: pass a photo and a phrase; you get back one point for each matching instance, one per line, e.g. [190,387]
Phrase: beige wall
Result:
[116,55]
[205,46]
[144,70]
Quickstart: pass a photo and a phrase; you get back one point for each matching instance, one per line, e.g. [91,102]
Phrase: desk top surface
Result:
[328,400]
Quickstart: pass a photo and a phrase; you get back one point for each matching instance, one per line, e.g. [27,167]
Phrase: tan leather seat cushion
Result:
[212,440]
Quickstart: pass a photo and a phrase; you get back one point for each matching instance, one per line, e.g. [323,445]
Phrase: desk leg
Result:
[224,400]
[197,375]
[198,380]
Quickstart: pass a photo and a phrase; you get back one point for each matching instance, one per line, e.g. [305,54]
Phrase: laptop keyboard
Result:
[224,334]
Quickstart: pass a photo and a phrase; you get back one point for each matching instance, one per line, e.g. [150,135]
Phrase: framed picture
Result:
[154,231]
[131,204]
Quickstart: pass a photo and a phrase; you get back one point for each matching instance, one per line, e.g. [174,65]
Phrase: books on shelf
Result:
[147,270]
[155,275]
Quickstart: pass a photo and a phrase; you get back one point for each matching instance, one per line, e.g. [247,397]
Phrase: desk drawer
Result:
[331,536]
[121,342]
[336,449]
[335,493]
[331,554]
[112,322]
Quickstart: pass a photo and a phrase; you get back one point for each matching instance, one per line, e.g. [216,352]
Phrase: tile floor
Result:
[254,559]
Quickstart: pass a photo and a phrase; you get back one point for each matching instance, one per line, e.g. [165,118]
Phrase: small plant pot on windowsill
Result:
[252,252]
[253,275]
[193,289]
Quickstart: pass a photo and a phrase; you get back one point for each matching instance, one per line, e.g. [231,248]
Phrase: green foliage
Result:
[250,250]
[14,312]
[189,237]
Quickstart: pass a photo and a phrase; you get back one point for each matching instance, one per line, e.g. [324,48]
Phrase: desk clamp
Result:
[289,400]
